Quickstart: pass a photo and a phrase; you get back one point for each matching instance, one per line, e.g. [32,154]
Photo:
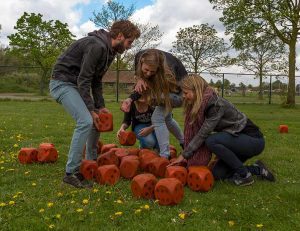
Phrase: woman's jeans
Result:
[85,132]
[149,141]
[232,151]
[163,123]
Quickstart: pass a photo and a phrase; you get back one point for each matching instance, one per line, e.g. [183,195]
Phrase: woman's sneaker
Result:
[77,180]
[264,172]
[237,179]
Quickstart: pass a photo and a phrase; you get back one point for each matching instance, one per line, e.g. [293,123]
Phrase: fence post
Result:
[270,89]
[223,77]
[118,76]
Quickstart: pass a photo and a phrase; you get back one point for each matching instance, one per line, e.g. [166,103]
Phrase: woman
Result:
[160,72]
[235,139]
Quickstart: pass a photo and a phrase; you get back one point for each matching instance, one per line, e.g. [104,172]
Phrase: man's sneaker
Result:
[77,180]
[242,181]
[264,172]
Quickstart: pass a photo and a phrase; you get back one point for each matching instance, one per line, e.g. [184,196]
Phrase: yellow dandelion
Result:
[16,145]
[57,216]
[137,211]
[95,190]
[72,202]
[259,225]
[231,223]
[108,192]
[182,216]
[79,210]
[15,196]
[118,213]
[60,194]
[51,226]
[42,210]
[146,207]
[119,201]
[50,204]
[85,201]
[11,202]
[33,184]
[2,204]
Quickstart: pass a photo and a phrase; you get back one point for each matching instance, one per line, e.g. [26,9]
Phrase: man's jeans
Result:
[85,132]
[164,123]
[149,141]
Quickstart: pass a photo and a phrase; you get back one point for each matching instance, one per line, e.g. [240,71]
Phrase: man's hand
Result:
[140,86]
[125,107]
[103,110]
[96,119]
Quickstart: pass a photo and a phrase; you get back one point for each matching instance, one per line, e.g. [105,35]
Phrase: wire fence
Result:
[117,84]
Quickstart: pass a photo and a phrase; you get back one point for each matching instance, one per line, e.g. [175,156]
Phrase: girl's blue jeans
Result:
[85,133]
[164,123]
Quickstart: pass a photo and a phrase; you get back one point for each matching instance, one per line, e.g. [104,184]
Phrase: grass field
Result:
[33,198]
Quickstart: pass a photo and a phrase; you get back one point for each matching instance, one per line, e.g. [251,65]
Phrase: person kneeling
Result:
[214,125]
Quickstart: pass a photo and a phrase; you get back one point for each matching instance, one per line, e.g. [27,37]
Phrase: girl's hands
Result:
[145,131]
[125,106]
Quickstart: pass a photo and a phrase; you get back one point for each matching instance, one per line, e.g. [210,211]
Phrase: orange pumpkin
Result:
[27,155]
[105,122]
[169,191]
[200,178]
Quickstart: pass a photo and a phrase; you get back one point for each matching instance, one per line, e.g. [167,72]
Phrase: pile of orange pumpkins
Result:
[150,177]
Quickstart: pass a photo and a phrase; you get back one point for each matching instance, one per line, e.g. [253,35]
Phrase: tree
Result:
[39,42]
[113,11]
[150,35]
[263,55]
[243,88]
[200,48]
[281,18]
[150,38]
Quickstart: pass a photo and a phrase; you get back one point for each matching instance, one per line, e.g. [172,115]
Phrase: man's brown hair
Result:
[127,28]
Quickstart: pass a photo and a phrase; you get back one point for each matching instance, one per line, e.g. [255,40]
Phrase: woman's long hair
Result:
[198,85]
[163,82]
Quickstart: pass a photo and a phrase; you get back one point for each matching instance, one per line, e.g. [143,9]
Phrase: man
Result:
[77,84]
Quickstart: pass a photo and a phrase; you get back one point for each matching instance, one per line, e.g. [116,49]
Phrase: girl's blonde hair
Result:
[198,85]
[163,82]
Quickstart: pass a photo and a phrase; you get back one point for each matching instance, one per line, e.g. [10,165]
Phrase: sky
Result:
[169,15]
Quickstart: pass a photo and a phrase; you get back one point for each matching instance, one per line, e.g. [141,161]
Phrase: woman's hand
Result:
[145,131]
[140,86]
[126,104]
[180,159]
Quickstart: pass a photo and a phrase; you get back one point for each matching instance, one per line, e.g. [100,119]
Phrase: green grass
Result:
[30,188]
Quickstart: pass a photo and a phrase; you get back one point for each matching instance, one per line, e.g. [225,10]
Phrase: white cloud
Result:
[169,15]
[176,14]
[63,10]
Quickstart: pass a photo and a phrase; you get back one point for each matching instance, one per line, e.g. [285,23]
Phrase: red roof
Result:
[124,77]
